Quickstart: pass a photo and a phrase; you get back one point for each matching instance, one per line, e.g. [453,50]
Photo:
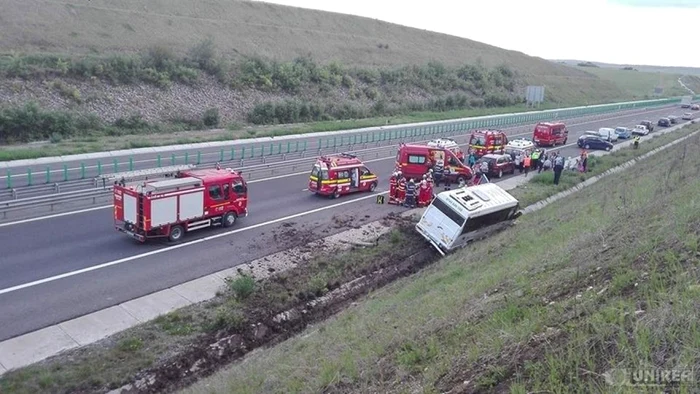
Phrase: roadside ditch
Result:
[264,303]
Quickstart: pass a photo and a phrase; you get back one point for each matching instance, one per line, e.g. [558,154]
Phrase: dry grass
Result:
[605,279]
[267,30]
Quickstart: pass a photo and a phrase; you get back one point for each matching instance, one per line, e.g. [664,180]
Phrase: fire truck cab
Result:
[169,207]
[550,134]
[414,161]
[483,142]
[340,174]
[447,143]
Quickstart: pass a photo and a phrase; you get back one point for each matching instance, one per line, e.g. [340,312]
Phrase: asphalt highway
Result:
[148,159]
[118,269]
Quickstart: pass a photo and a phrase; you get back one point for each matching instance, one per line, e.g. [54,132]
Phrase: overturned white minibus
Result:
[456,217]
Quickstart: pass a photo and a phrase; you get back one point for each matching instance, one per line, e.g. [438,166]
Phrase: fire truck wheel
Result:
[372,186]
[176,233]
[229,219]
[336,193]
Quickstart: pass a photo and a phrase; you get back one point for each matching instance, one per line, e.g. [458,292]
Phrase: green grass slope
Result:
[604,279]
[641,84]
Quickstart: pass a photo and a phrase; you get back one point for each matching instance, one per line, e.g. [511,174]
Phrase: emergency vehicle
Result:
[550,134]
[457,217]
[448,143]
[414,161]
[168,207]
[339,174]
[519,145]
[483,142]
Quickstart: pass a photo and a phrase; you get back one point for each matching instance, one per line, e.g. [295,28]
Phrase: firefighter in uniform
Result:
[410,194]
[401,190]
[393,182]
[423,193]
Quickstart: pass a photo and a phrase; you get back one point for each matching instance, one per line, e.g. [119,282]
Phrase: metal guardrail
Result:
[57,199]
[284,164]
[257,150]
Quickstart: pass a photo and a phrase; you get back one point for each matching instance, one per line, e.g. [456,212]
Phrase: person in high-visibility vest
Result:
[526,164]
[393,182]
[401,190]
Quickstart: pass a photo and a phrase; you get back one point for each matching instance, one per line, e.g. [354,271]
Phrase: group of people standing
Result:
[539,160]
[408,193]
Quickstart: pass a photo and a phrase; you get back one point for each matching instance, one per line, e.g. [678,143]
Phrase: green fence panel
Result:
[9,178]
[172,160]
[131,164]
[115,164]
[243,152]
[29,176]
[99,169]
[48,174]
[187,157]
[158,161]
[65,173]
[82,170]
[221,154]
[233,153]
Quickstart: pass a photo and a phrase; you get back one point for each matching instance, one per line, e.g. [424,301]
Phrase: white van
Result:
[458,216]
[519,145]
[608,134]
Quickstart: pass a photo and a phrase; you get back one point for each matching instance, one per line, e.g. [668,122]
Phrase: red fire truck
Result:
[339,174]
[170,207]
[483,142]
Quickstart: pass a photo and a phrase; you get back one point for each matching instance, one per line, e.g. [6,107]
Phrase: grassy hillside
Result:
[645,68]
[641,84]
[604,283]
[97,68]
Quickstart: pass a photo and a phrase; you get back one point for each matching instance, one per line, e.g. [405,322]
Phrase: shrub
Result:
[243,286]
[211,117]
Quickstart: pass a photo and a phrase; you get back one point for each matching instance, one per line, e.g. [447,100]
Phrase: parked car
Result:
[648,124]
[592,133]
[623,132]
[695,107]
[673,119]
[664,122]
[498,164]
[688,116]
[593,142]
[640,130]
[608,134]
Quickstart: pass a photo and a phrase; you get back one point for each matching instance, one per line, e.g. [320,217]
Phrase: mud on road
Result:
[284,304]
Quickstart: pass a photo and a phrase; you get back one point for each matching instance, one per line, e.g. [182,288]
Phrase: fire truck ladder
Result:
[145,174]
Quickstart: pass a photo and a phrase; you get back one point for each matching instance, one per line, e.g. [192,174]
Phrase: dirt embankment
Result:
[267,323]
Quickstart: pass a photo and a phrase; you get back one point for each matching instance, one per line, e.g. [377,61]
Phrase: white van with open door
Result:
[456,217]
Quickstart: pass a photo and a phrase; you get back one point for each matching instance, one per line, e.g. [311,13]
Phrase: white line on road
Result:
[182,245]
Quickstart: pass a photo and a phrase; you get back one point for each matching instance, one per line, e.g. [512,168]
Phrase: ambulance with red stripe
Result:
[340,174]
[483,142]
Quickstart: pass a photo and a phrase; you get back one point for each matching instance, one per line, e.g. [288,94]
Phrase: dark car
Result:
[648,124]
[664,122]
[593,142]
[673,119]
[498,164]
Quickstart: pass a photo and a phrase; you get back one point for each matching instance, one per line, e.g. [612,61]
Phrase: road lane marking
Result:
[182,245]
[258,180]
[622,115]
